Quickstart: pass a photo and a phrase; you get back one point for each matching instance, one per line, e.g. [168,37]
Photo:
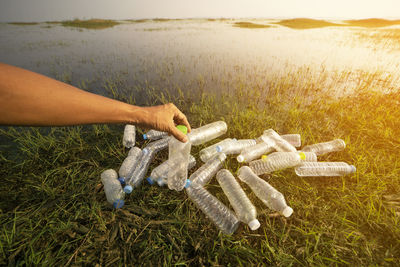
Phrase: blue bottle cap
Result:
[149,180]
[119,203]
[121,180]
[188,182]
[128,189]
[145,150]
[218,148]
[145,136]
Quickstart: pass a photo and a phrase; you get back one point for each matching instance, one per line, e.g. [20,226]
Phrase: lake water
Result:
[199,54]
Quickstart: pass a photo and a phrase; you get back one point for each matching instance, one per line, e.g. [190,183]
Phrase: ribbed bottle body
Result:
[161,176]
[207,132]
[138,174]
[129,137]
[154,135]
[293,139]
[271,197]
[179,157]
[281,144]
[255,152]
[241,204]
[211,151]
[207,171]
[112,187]
[214,209]
[324,169]
[277,161]
[130,162]
[326,147]
[237,146]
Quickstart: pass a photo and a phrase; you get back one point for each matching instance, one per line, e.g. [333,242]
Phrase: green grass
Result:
[94,24]
[305,23]
[23,23]
[53,210]
[372,23]
[250,25]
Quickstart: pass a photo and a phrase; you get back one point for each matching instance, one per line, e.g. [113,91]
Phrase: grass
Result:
[94,24]
[23,23]
[305,23]
[250,25]
[53,210]
[372,23]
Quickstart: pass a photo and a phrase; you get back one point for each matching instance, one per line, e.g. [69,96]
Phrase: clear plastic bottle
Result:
[214,209]
[154,135]
[271,197]
[207,132]
[162,170]
[277,161]
[211,151]
[136,177]
[112,188]
[306,156]
[236,147]
[244,209]
[309,156]
[129,138]
[158,145]
[281,144]
[207,171]
[326,147]
[179,153]
[162,178]
[254,152]
[324,169]
[293,139]
[130,162]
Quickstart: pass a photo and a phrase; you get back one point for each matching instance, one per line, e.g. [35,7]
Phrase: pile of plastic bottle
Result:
[268,153]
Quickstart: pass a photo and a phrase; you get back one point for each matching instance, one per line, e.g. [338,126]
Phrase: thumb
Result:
[178,134]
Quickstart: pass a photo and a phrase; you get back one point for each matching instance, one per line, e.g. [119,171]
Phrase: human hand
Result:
[165,118]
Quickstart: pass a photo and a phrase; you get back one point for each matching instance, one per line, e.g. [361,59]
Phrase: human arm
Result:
[28,98]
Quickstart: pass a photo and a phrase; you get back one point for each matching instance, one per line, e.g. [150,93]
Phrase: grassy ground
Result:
[94,24]
[250,25]
[53,210]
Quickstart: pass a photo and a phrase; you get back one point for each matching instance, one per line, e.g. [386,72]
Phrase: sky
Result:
[50,10]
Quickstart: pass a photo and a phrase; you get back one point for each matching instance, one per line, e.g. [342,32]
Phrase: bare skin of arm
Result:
[28,98]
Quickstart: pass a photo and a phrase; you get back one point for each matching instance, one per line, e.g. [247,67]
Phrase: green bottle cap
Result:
[182,128]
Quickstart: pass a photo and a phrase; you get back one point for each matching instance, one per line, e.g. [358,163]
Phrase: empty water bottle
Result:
[207,171]
[214,209]
[137,175]
[236,147]
[129,138]
[324,169]
[211,151]
[277,161]
[162,178]
[280,144]
[306,156]
[326,147]
[178,156]
[244,209]
[154,135]
[112,188]
[130,163]
[293,139]
[255,151]
[207,132]
[163,169]
[271,197]
[158,145]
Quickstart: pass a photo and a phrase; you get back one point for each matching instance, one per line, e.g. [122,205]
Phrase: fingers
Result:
[180,118]
[178,134]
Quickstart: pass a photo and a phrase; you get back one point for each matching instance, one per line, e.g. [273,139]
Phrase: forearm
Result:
[28,98]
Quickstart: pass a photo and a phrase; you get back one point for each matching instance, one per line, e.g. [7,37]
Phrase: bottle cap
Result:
[119,203]
[188,182]
[160,182]
[287,211]
[149,180]
[218,148]
[264,157]
[145,136]
[254,224]
[240,158]
[353,168]
[302,155]
[182,128]
[145,150]
[121,180]
[128,189]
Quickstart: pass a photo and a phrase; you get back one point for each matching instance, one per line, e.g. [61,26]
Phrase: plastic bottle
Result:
[178,156]
[163,178]
[214,209]
[293,139]
[244,209]
[324,169]
[271,197]
[129,138]
[158,145]
[136,177]
[162,170]
[326,147]
[207,171]
[211,151]
[306,156]
[236,147]
[309,156]
[130,163]
[278,161]
[281,144]
[112,188]
[256,151]
[154,135]
[207,132]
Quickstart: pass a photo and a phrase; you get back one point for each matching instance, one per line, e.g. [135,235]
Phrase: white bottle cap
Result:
[240,158]
[287,211]
[254,224]
[353,168]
